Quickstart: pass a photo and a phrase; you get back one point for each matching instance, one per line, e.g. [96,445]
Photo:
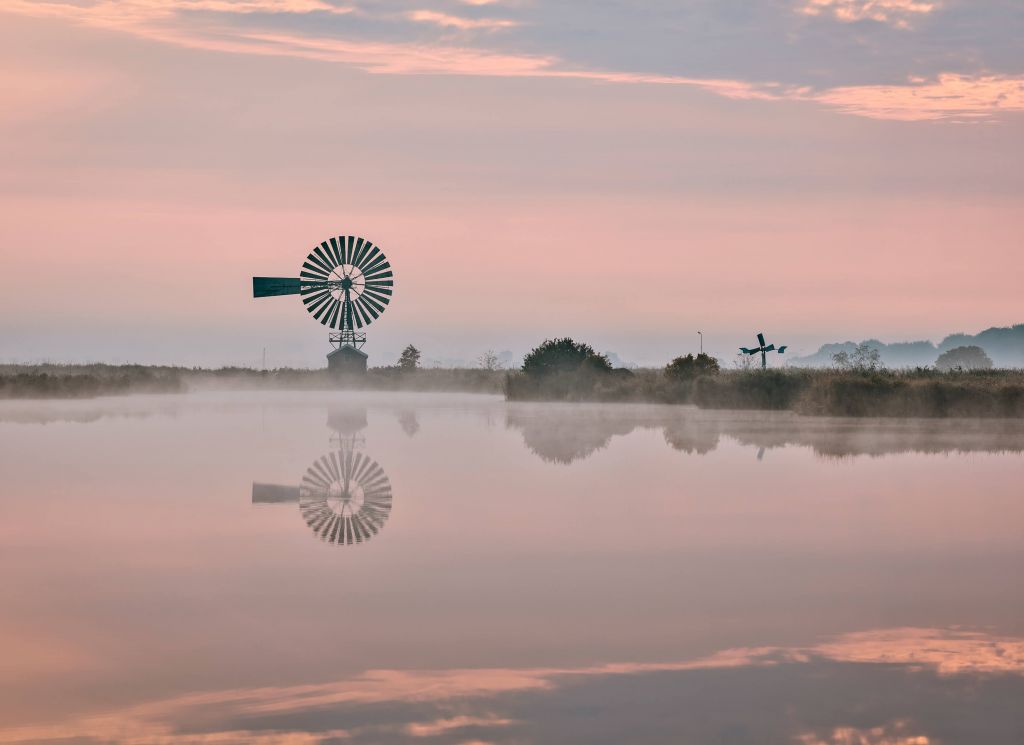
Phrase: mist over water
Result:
[400,567]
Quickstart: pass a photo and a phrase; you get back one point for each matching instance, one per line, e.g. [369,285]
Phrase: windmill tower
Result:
[345,283]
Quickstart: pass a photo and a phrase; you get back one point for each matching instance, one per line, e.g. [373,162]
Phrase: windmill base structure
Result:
[347,361]
[345,283]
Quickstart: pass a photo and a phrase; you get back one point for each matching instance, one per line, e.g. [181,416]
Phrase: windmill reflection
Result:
[344,496]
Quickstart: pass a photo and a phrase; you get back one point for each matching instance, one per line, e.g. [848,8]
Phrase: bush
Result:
[959,359]
[557,356]
[690,367]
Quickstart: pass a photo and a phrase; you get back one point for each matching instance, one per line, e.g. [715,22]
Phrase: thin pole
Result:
[701,335]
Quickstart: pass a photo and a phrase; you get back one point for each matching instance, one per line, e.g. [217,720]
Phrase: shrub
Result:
[959,359]
[690,367]
[560,356]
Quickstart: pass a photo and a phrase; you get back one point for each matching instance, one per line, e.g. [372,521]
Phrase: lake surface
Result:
[402,568]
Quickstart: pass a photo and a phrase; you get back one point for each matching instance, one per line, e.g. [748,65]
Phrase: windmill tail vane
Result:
[763,350]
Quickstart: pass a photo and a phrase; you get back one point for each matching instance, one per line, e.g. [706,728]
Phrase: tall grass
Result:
[86,381]
[914,393]
[850,393]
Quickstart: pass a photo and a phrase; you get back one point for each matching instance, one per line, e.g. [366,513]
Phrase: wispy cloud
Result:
[173,720]
[893,12]
[895,733]
[446,20]
[951,96]
[948,96]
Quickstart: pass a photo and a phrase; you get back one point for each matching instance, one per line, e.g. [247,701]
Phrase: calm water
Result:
[311,568]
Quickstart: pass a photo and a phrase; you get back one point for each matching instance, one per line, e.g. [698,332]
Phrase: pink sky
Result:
[158,154]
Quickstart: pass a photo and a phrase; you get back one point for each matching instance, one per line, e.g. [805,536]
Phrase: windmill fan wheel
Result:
[345,497]
[346,282]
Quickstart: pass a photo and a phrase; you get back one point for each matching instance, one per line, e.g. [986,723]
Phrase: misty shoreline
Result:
[881,393]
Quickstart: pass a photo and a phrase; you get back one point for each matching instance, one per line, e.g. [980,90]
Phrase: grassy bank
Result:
[87,381]
[904,393]
[849,393]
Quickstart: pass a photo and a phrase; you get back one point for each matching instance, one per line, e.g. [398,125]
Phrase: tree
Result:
[841,360]
[690,367]
[864,357]
[963,358]
[410,358]
[489,361]
[565,356]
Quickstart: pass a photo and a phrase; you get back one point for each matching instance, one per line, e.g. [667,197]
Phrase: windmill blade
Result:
[312,273]
[323,315]
[372,257]
[333,249]
[271,286]
[332,318]
[760,339]
[362,248]
[782,349]
[371,305]
[316,302]
[376,266]
[316,263]
[769,348]
[381,289]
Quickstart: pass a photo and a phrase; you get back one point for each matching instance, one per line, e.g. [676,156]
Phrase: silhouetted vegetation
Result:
[963,358]
[564,370]
[924,392]
[858,386]
[87,381]
[410,358]
[690,367]
[557,356]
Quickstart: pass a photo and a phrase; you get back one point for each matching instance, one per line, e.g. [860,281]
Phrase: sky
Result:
[625,173]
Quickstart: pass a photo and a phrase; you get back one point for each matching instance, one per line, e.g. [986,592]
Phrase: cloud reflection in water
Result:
[886,687]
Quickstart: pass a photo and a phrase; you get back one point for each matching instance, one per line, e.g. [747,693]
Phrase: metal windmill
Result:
[345,283]
[763,349]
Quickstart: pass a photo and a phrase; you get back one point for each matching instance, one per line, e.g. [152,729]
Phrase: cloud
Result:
[127,12]
[892,12]
[895,733]
[177,720]
[951,96]
[463,24]
[947,96]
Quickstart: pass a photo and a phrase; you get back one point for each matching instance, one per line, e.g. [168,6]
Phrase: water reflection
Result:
[925,686]
[344,496]
[568,433]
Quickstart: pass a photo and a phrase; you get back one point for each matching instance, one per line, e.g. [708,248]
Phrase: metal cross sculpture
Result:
[763,349]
